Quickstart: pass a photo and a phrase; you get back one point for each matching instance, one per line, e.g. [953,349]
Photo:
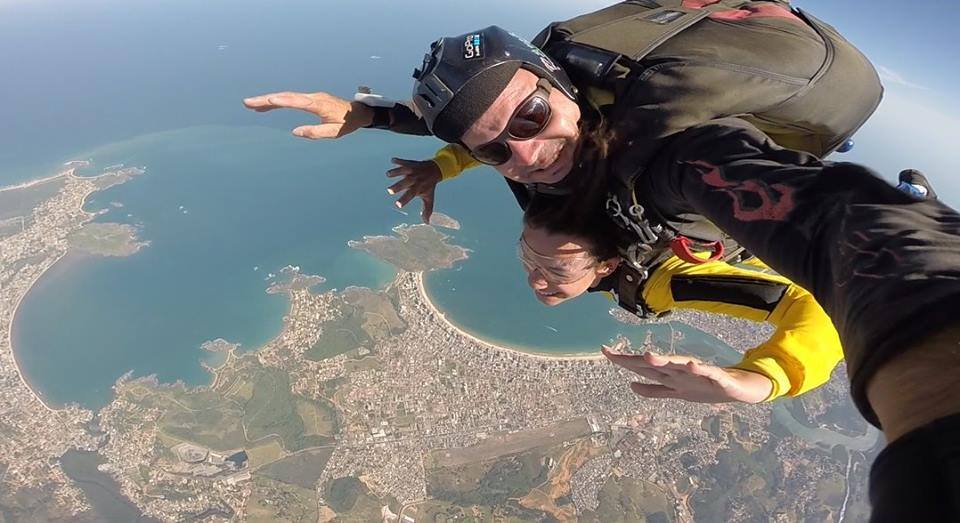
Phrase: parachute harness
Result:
[653,244]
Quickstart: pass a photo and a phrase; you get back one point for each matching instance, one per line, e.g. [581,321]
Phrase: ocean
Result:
[229,195]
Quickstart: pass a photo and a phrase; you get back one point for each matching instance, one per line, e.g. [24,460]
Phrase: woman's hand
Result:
[417,178]
[687,378]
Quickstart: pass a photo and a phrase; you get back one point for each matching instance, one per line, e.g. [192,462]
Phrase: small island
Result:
[442,220]
[290,280]
[219,345]
[107,239]
[415,248]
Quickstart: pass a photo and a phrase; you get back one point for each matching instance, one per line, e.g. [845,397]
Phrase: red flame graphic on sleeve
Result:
[776,200]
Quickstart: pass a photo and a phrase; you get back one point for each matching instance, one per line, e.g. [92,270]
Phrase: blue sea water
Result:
[224,206]
[227,190]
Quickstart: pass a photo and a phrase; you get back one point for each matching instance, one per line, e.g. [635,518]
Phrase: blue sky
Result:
[100,45]
[916,48]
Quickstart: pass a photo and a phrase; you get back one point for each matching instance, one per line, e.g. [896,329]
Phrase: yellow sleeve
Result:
[452,160]
[804,348]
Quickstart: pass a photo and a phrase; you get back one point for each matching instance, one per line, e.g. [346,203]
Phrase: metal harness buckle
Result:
[647,234]
[639,255]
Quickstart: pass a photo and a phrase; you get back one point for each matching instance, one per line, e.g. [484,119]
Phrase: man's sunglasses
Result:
[528,120]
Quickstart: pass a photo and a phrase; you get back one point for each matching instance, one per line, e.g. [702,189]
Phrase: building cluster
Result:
[433,388]
[33,435]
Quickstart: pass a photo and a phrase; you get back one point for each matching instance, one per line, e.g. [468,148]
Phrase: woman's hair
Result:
[582,213]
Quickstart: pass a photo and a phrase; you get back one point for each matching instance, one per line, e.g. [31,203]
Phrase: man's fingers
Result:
[260,103]
[653,391]
[399,186]
[317,132]
[292,101]
[282,100]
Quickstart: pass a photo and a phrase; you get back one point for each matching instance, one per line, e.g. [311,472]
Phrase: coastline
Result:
[69,173]
[568,356]
[38,181]
[13,350]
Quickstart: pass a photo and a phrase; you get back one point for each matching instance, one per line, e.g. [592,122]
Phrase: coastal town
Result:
[33,434]
[370,405]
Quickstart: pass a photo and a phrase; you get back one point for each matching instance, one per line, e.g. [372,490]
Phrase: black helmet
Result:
[462,75]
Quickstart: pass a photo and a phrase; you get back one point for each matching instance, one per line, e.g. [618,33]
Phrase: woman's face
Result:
[560,267]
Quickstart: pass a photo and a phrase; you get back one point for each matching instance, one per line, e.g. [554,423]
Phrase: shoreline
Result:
[68,173]
[38,181]
[13,350]
[529,352]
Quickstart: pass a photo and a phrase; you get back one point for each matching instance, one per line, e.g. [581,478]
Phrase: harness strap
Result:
[681,246]
[629,295]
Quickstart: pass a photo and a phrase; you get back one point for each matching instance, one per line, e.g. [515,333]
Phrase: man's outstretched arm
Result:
[338,116]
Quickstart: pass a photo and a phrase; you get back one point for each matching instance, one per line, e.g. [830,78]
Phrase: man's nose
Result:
[524,153]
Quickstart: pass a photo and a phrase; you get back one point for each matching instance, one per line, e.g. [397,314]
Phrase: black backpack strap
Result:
[632,279]
[629,290]
[520,191]
[634,28]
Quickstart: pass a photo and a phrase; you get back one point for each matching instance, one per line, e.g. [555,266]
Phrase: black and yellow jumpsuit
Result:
[803,350]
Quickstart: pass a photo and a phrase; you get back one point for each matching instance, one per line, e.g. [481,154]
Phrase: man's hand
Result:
[417,179]
[687,378]
[339,117]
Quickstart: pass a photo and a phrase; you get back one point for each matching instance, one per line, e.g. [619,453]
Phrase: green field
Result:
[302,470]
[340,336]
[488,483]
[264,453]
[380,314]
[366,316]
[106,239]
[353,501]
[319,417]
[627,499]
[273,501]
[434,511]
[250,404]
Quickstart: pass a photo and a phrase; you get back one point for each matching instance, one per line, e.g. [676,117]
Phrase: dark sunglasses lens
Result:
[495,153]
[530,119]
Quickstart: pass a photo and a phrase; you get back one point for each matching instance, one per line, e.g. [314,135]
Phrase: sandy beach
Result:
[532,354]
[69,173]
[38,181]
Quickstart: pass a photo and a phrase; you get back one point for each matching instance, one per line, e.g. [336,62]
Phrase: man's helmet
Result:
[461,77]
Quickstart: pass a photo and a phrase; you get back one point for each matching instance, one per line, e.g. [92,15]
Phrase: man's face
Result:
[547,157]
[560,267]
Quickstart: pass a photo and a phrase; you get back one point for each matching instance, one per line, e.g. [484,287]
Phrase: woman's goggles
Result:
[555,269]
